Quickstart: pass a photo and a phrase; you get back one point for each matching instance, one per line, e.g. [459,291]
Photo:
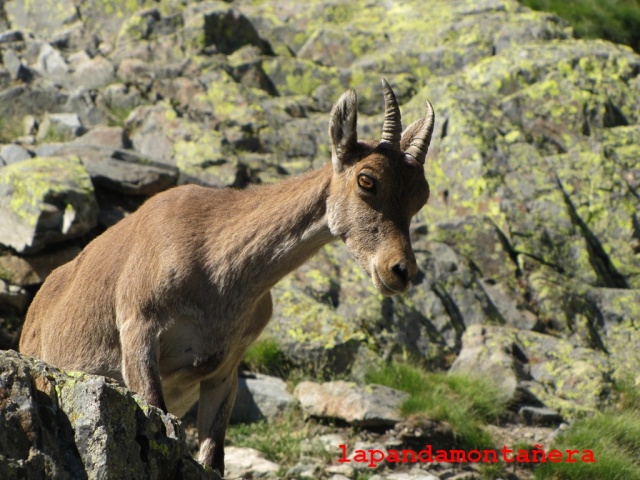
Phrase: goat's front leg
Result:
[139,347]
[214,409]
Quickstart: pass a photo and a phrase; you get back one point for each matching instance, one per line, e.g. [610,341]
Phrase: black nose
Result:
[401,271]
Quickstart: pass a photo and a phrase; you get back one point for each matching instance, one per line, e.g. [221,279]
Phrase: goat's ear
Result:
[342,129]
[416,138]
[409,133]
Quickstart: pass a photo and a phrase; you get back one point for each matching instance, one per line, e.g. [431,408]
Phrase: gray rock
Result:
[13,298]
[17,271]
[305,469]
[366,446]
[108,137]
[260,397]
[51,64]
[21,100]
[59,127]
[43,201]
[33,269]
[11,36]
[367,406]
[152,130]
[247,462]
[13,153]
[40,16]
[123,171]
[15,66]
[81,101]
[338,476]
[529,366]
[540,416]
[417,475]
[328,443]
[86,427]
[223,28]
[119,98]
[93,74]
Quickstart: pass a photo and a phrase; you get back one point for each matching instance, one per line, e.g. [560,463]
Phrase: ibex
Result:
[168,300]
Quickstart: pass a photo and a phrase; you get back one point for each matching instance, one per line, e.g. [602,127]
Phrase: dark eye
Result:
[366,182]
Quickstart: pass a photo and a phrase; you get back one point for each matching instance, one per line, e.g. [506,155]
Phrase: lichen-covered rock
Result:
[69,425]
[568,379]
[320,310]
[117,169]
[45,200]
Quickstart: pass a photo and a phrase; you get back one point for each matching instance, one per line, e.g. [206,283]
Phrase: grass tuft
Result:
[265,356]
[281,439]
[465,403]
[614,439]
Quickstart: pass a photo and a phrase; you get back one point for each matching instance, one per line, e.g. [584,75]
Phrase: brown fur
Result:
[168,300]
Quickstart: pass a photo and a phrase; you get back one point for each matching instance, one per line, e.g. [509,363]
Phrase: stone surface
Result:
[248,463]
[43,201]
[59,127]
[13,298]
[544,417]
[548,369]
[95,73]
[123,171]
[367,406]
[13,154]
[260,397]
[58,425]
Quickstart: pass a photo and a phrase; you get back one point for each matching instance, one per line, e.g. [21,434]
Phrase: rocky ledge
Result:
[63,425]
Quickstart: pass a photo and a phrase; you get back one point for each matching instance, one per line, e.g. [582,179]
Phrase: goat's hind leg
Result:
[140,362]
[214,409]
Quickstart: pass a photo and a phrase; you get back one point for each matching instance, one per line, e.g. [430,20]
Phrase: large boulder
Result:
[69,425]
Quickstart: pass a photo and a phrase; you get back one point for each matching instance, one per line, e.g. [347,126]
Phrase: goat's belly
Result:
[180,397]
[181,386]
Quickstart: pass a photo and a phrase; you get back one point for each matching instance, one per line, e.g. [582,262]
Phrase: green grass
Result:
[117,116]
[615,20]
[614,438]
[280,440]
[465,403]
[265,356]
[10,128]
[56,136]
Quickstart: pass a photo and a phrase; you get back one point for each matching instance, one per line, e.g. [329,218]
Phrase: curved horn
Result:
[420,142]
[392,127]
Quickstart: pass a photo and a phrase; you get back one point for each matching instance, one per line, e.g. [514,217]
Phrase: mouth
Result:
[383,287]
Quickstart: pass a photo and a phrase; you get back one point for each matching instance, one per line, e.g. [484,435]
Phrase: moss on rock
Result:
[45,200]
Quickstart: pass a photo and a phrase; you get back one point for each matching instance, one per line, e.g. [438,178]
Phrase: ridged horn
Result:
[420,142]
[392,127]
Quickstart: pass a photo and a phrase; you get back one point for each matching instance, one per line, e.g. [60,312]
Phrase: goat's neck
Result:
[281,226]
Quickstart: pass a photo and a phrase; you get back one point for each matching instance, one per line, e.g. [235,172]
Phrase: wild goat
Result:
[168,300]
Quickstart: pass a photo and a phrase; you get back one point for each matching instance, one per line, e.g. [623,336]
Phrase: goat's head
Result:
[377,188]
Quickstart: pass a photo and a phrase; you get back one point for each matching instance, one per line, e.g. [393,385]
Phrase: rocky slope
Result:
[529,249]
